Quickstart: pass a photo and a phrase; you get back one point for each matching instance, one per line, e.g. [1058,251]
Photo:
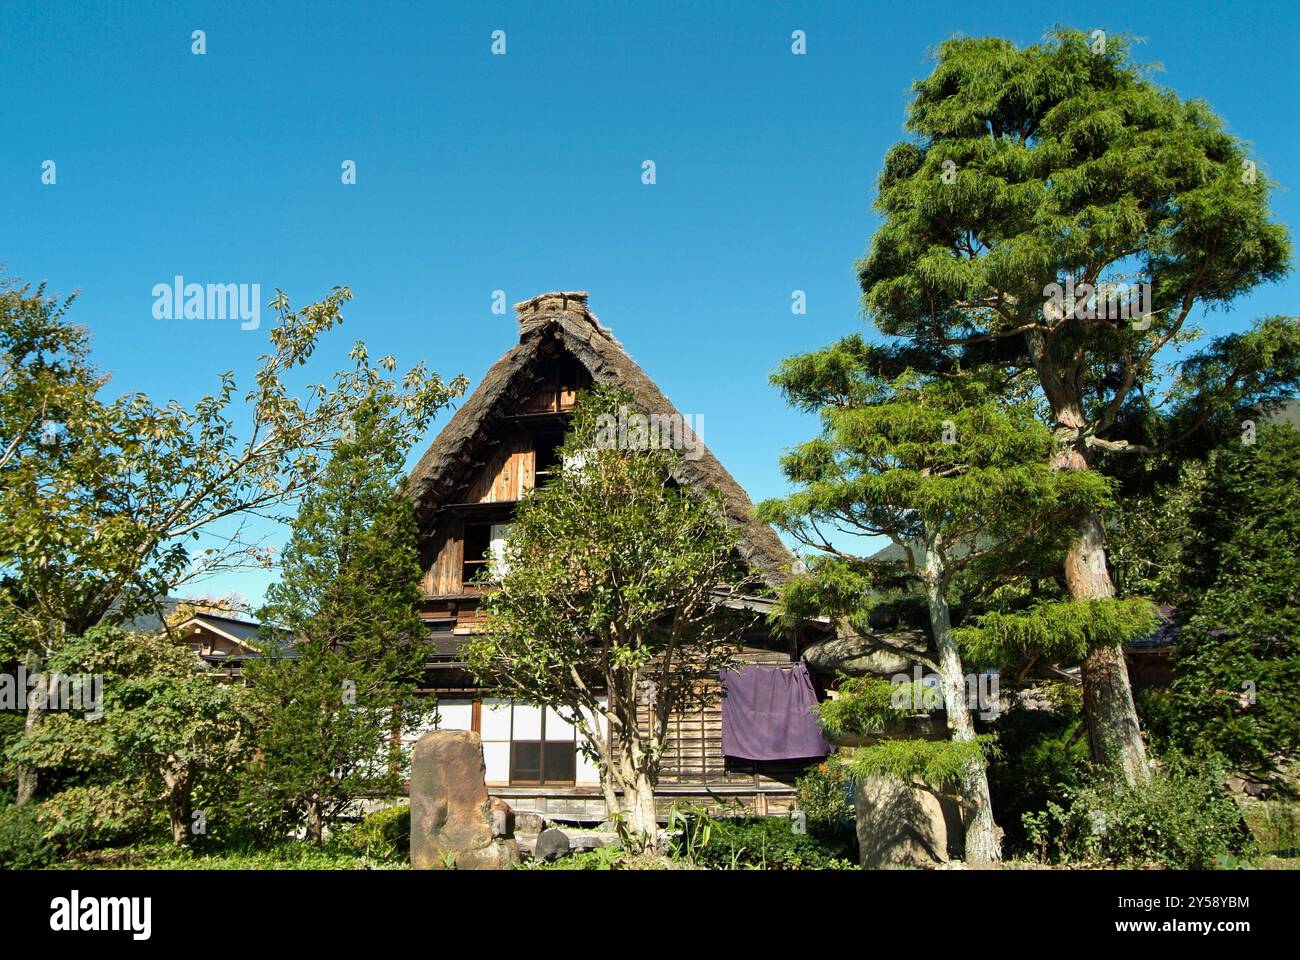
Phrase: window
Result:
[527,745]
[497,549]
[547,457]
[478,542]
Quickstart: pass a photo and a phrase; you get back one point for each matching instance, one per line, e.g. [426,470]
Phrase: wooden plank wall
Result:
[507,476]
[443,576]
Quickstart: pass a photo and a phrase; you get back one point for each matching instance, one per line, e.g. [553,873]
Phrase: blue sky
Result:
[522,172]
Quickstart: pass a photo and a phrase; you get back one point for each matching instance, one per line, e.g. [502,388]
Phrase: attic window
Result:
[547,457]
[478,540]
[558,383]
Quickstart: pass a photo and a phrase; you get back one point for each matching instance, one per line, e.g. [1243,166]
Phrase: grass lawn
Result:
[286,856]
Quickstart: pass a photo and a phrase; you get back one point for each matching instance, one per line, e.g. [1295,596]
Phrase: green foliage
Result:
[598,858]
[1275,825]
[1032,165]
[1044,192]
[758,843]
[11,730]
[863,705]
[100,511]
[1153,540]
[1055,631]
[611,574]
[326,714]
[825,796]
[1181,818]
[1236,691]
[929,761]
[1043,755]
[23,845]
[383,835]
[278,855]
[170,741]
[91,816]
[106,518]
[917,458]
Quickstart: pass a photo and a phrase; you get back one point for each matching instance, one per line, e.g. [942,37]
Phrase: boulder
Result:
[904,825]
[503,818]
[528,822]
[552,844]
[451,820]
[590,840]
[859,655]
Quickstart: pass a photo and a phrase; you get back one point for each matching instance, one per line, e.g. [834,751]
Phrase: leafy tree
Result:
[953,477]
[329,708]
[166,739]
[1152,537]
[100,506]
[1237,660]
[610,600]
[1041,189]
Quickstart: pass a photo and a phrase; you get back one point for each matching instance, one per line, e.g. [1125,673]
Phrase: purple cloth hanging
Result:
[767,714]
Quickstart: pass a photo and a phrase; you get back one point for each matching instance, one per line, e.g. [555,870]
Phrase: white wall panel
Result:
[496,762]
[528,722]
[494,719]
[556,727]
[455,714]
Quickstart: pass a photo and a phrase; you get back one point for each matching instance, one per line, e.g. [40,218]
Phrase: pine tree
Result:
[330,710]
[953,477]
[1057,213]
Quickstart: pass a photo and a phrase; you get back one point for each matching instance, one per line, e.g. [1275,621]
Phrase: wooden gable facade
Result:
[498,446]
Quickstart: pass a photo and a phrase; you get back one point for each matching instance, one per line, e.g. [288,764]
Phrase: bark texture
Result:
[983,835]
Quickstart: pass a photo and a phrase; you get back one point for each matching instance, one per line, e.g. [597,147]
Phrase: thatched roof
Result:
[551,325]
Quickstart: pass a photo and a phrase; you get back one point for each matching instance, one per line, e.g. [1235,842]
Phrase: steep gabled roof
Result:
[550,325]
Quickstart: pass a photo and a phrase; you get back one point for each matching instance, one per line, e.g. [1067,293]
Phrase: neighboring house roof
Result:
[258,638]
[1165,634]
[556,323]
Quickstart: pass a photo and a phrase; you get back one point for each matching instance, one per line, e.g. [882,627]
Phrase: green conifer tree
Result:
[330,709]
[953,477]
[1055,212]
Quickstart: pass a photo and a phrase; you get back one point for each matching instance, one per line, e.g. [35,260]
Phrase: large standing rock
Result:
[451,823]
[900,825]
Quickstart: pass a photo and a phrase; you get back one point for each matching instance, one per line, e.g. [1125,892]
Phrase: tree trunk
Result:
[1114,733]
[180,812]
[608,789]
[640,803]
[315,822]
[983,836]
[636,777]
[28,776]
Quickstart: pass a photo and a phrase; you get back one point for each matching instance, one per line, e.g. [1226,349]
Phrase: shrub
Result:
[22,839]
[1275,825]
[825,796]
[1044,755]
[94,816]
[600,858]
[1180,818]
[384,834]
[281,855]
[767,843]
